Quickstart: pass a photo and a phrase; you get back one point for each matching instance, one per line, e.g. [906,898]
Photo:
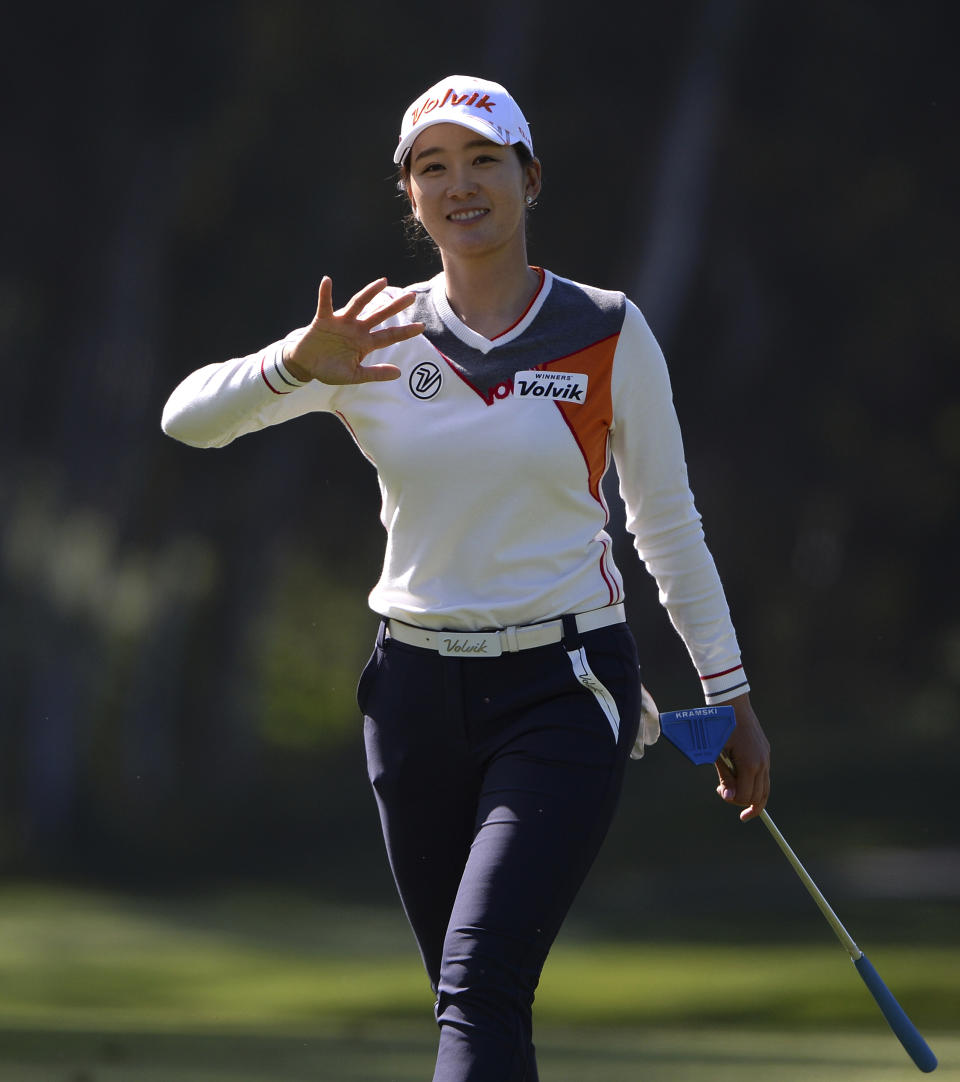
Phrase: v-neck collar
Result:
[474,339]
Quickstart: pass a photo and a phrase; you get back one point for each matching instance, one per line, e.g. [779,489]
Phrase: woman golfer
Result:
[502,699]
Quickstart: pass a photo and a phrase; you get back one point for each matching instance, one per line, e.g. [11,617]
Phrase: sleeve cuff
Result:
[274,372]
[721,686]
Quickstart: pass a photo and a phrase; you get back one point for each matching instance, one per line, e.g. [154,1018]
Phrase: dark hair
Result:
[412,226]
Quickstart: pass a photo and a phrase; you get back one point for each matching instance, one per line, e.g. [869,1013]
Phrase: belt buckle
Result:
[469,644]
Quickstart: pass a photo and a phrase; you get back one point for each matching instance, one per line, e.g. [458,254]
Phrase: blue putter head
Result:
[701,732]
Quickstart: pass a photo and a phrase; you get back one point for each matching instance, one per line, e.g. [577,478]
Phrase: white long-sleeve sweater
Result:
[490,456]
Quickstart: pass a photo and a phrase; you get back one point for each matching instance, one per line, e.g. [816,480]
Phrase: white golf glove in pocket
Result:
[649,731]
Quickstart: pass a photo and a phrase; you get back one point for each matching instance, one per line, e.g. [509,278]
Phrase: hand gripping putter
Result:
[701,733]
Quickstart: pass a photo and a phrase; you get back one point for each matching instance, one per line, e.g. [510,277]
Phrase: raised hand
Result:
[334,345]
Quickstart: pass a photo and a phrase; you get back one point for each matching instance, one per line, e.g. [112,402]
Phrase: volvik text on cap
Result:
[483,106]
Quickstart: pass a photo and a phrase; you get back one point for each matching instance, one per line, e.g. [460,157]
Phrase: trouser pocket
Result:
[586,677]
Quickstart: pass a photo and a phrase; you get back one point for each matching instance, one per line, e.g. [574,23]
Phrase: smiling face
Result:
[470,193]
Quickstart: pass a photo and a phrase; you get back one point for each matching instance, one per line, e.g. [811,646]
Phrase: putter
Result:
[701,733]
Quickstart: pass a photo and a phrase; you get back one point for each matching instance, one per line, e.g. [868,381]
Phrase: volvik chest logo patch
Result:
[570,387]
[425,380]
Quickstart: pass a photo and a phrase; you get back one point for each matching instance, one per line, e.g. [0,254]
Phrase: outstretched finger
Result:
[360,300]
[325,298]
[391,335]
[376,373]
[396,305]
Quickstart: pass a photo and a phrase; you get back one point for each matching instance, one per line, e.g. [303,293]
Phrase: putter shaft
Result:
[904,1030]
[824,906]
[812,889]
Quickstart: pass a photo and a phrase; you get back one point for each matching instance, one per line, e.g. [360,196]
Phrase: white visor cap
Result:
[485,107]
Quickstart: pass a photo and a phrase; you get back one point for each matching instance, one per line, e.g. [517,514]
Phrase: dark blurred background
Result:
[773,184]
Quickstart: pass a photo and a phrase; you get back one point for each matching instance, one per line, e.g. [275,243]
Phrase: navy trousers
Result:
[496,781]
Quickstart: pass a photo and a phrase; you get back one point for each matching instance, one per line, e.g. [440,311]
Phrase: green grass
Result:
[404,1052]
[253,986]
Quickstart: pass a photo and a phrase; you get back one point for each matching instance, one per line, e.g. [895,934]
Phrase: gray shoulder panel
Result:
[573,317]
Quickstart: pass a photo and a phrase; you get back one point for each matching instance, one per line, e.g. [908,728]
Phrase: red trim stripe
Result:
[349,427]
[714,675]
[586,458]
[603,571]
[533,301]
[263,375]
[598,496]
[488,398]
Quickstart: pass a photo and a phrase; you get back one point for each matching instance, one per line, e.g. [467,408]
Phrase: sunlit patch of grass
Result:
[274,961]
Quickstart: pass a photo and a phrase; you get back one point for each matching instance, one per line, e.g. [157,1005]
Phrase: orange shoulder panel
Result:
[590,422]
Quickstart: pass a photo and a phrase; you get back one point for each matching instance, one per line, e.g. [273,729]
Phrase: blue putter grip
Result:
[906,1032]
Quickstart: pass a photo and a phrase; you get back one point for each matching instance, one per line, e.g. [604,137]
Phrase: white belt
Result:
[507,639]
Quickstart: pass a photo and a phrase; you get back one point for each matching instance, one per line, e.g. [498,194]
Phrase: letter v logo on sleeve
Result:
[570,387]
